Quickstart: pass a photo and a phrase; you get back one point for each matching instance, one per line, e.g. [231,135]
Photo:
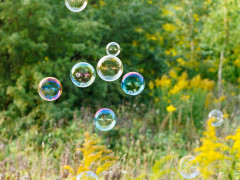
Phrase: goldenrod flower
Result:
[171,108]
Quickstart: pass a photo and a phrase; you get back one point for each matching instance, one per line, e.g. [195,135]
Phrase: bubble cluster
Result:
[187,168]
[83,74]
[76,5]
[105,119]
[217,116]
[50,89]
[133,83]
[113,49]
[87,175]
[109,68]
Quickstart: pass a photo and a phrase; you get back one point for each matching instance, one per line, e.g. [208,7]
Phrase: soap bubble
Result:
[187,168]
[76,5]
[113,49]
[218,118]
[87,175]
[133,83]
[109,68]
[105,119]
[82,74]
[50,89]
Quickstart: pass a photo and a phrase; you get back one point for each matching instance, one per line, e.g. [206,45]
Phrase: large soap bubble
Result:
[87,175]
[82,74]
[109,68]
[113,49]
[187,168]
[105,119]
[50,89]
[217,116]
[76,5]
[133,83]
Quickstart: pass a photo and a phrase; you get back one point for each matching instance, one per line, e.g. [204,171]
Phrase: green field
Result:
[189,55]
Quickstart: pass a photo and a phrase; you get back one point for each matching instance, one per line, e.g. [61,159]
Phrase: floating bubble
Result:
[109,68]
[105,119]
[50,89]
[113,49]
[87,175]
[218,118]
[76,5]
[133,83]
[82,74]
[187,168]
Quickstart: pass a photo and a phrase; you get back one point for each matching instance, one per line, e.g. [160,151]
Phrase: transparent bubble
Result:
[133,83]
[105,119]
[187,168]
[87,175]
[76,5]
[218,118]
[113,49]
[109,68]
[50,89]
[82,74]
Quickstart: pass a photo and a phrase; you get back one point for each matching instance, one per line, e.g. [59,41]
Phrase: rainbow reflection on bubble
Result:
[50,89]
[87,175]
[82,74]
[188,168]
[105,119]
[133,83]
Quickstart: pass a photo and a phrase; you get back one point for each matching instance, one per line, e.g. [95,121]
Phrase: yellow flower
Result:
[196,17]
[101,2]
[151,37]
[150,2]
[237,62]
[151,85]
[173,74]
[139,30]
[169,27]
[171,108]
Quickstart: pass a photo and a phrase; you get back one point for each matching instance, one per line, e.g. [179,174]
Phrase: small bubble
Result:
[87,175]
[50,89]
[113,49]
[217,116]
[133,83]
[187,168]
[82,74]
[109,68]
[105,119]
[76,5]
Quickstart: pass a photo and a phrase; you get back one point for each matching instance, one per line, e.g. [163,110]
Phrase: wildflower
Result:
[171,108]
[196,18]
[151,85]
[185,97]
[169,27]
[237,62]
[173,74]
[101,2]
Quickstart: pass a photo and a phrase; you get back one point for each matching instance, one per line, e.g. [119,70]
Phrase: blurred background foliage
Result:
[187,51]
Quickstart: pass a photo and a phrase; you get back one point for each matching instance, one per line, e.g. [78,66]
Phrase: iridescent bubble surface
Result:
[217,116]
[109,68]
[50,89]
[76,5]
[105,119]
[133,83]
[87,175]
[187,168]
[83,74]
[113,49]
